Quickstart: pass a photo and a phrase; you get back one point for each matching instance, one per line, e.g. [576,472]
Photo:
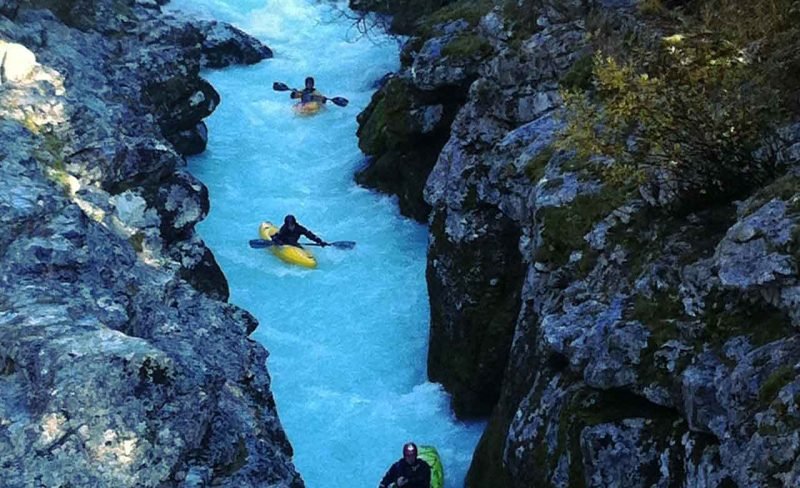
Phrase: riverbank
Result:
[120,361]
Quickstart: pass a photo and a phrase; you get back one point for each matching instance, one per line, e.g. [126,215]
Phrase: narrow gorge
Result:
[611,191]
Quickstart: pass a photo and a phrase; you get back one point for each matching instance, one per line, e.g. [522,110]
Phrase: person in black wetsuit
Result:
[309,93]
[291,231]
[408,472]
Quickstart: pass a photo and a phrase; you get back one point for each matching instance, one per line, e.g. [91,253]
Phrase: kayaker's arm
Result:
[311,235]
[389,478]
[296,94]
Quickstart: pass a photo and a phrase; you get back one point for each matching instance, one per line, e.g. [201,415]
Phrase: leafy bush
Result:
[696,108]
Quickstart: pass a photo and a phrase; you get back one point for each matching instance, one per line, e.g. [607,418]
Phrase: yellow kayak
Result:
[289,254]
[307,108]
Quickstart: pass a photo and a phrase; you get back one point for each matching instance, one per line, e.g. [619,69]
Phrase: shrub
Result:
[698,105]
[695,108]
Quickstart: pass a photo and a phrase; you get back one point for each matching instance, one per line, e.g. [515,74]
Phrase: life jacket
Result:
[307,95]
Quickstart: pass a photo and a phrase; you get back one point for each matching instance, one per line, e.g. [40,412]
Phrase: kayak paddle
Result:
[340,101]
[336,244]
[260,243]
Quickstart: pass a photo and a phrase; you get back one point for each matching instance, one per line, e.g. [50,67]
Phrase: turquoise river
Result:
[348,340]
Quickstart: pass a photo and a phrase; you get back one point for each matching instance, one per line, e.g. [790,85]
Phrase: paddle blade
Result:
[260,243]
[278,86]
[342,102]
[343,244]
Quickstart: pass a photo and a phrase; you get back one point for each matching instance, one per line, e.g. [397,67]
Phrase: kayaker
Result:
[408,472]
[309,93]
[291,231]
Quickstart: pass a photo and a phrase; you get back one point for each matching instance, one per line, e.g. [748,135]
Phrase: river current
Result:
[348,340]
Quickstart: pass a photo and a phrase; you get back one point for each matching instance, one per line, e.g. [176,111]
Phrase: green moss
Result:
[588,408]
[775,381]
[137,241]
[662,308]
[387,124]
[29,123]
[783,188]
[50,155]
[372,133]
[239,460]
[466,46]
[51,152]
[563,228]
[761,323]
[488,468]
[468,10]
[60,177]
[652,7]
[579,76]
[520,16]
[534,168]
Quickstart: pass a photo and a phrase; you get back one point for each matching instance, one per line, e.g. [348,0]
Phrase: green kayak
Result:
[431,456]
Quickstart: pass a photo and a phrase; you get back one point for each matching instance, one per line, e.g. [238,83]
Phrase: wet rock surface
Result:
[121,364]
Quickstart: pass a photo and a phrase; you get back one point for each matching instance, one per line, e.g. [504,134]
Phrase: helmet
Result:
[289,219]
[309,81]
[409,448]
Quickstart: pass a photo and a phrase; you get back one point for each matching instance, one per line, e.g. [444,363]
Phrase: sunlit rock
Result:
[16,62]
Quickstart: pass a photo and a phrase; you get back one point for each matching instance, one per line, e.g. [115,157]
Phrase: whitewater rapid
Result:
[347,341]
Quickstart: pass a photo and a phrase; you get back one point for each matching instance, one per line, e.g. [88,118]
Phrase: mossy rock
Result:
[786,188]
[564,228]
[372,126]
[535,167]
[88,14]
[520,18]
[470,342]
[405,13]
[585,407]
[730,315]
[775,381]
[471,11]
[385,124]
[467,46]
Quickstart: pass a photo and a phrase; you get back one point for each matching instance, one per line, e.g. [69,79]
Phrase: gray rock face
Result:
[120,362]
[475,228]
[224,44]
[477,327]
[9,8]
[409,118]
[644,348]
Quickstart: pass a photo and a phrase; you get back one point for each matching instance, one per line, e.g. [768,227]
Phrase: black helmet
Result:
[409,448]
[289,219]
[309,81]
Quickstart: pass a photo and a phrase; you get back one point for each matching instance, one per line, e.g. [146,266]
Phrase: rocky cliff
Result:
[121,364]
[618,334]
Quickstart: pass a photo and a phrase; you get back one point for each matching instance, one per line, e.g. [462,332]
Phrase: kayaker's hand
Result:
[401,481]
